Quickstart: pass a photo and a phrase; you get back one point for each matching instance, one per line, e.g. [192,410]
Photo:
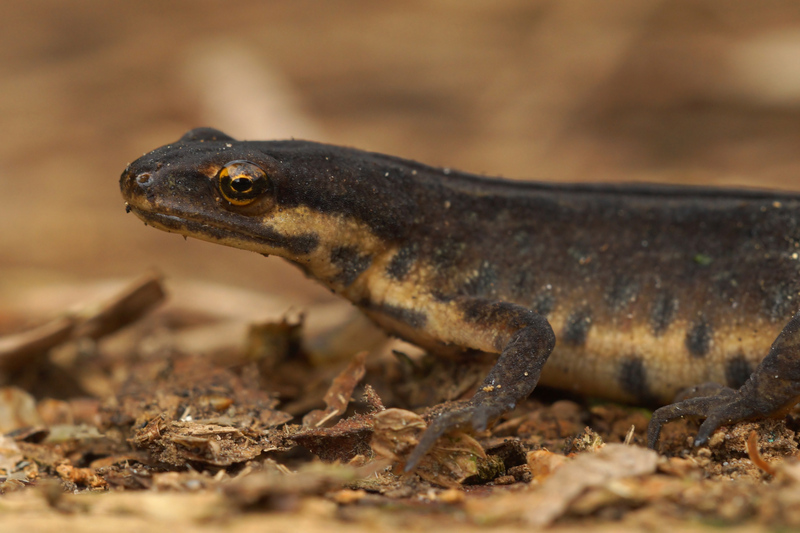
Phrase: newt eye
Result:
[241,182]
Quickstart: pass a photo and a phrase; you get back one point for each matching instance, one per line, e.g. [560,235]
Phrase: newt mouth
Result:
[190,227]
[266,241]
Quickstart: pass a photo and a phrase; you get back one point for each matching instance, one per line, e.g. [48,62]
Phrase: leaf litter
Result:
[146,410]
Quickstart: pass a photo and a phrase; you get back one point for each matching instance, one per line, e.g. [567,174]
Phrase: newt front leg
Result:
[525,340]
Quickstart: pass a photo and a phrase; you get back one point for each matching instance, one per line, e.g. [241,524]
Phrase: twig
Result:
[95,321]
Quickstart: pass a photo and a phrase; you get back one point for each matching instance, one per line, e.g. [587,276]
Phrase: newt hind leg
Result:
[526,340]
[772,389]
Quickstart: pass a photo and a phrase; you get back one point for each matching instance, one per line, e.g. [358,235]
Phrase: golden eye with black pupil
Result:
[242,182]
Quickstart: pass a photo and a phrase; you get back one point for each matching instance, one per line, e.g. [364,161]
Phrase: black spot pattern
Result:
[632,378]
[493,313]
[577,328]
[401,262]
[543,303]
[300,244]
[737,371]
[698,338]
[350,262]
[663,312]
[483,283]
[623,290]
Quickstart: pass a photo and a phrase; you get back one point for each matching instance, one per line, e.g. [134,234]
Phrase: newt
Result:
[622,291]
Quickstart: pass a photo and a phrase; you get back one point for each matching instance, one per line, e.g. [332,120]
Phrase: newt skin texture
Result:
[648,289]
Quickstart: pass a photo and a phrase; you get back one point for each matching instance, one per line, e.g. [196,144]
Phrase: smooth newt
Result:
[649,289]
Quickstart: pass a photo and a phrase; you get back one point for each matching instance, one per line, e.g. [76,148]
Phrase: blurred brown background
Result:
[683,91]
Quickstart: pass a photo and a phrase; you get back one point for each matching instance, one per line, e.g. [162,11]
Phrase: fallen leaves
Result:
[343,442]
[182,402]
[339,394]
[178,443]
[200,414]
[599,469]
[17,409]
[543,463]
[454,458]
[276,488]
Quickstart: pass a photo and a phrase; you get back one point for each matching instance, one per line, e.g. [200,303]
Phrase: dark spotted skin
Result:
[698,338]
[351,263]
[543,303]
[402,262]
[662,312]
[622,292]
[737,370]
[633,378]
[637,291]
[577,328]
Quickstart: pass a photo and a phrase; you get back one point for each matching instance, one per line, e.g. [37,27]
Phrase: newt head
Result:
[295,199]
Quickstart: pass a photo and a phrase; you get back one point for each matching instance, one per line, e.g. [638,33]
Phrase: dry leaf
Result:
[17,410]
[339,394]
[276,488]
[396,433]
[543,463]
[453,458]
[342,442]
[10,456]
[613,461]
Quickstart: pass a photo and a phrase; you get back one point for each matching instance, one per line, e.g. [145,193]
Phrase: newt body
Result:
[648,289]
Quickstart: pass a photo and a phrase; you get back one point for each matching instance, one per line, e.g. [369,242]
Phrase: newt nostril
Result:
[143,178]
